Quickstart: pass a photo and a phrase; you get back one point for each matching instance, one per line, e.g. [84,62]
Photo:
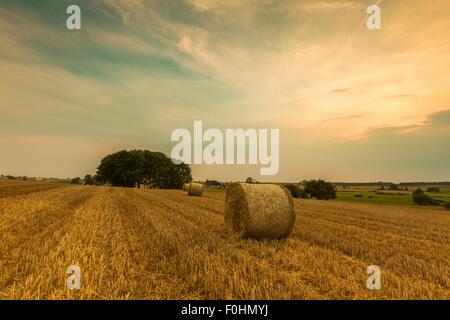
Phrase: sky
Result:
[351,104]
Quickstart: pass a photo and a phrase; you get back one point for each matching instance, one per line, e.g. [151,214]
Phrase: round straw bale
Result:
[186,186]
[259,210]
[195,189]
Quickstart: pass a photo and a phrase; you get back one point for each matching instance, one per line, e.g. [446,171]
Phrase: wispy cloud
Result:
[316,6]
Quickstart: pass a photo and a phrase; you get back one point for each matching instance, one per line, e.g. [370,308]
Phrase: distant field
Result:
[162,244]
[443,188]
[387,197]
[16,187]
[374,198]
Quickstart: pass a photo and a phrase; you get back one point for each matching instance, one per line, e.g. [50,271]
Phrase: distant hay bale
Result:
[259,210]
[195,189]
[186,187]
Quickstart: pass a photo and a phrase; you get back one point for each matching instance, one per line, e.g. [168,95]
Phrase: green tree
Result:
[136,167]
[249,180]
[296,191]
[89,180]
[76,180]
[419,197]
[393,186]
[320,189]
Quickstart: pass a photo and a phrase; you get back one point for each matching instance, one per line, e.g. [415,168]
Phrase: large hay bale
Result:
[195,189]
[186,187]
[259,210]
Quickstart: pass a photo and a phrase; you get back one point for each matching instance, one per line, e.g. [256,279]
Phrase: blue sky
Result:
[351,104]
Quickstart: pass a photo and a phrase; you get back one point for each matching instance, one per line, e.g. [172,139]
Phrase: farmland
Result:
[161,244]
[390,197]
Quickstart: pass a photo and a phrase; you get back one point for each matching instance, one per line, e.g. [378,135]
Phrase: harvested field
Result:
[8,189]
[163,244]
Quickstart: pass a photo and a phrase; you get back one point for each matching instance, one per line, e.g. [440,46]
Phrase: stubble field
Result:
[162,244]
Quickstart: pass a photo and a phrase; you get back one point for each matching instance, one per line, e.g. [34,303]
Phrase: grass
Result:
[388,197]
[162,244]
[374,198]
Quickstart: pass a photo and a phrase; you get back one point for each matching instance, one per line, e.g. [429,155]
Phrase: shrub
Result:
[296,191]
[320,189]
[423,199]
[89,180]
[393,186]
[433,189]
[358,195]
[447,205]
[76,180]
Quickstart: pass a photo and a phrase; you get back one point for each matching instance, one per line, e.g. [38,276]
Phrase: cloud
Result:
[343,90]
[126,9]
[439,119]
[399,96]
[218,5]
[352,116]
[399,153]
[316,6]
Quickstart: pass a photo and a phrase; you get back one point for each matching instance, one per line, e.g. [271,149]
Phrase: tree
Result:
[136,167]
[419,197]
[76,180]
[320,189]
[213,183]
[433,189]
[123,168]
[393,186]
[250,180]
[296,191]
[89,180]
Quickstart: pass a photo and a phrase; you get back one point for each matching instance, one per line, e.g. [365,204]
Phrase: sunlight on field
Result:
[162,244]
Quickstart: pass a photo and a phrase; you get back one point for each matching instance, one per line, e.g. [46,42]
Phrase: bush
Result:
[320,189]
[89,180]
[423,199]
[433,189]
[358,195]
[393,186]
[447,205]
[76,180]
[296,191]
